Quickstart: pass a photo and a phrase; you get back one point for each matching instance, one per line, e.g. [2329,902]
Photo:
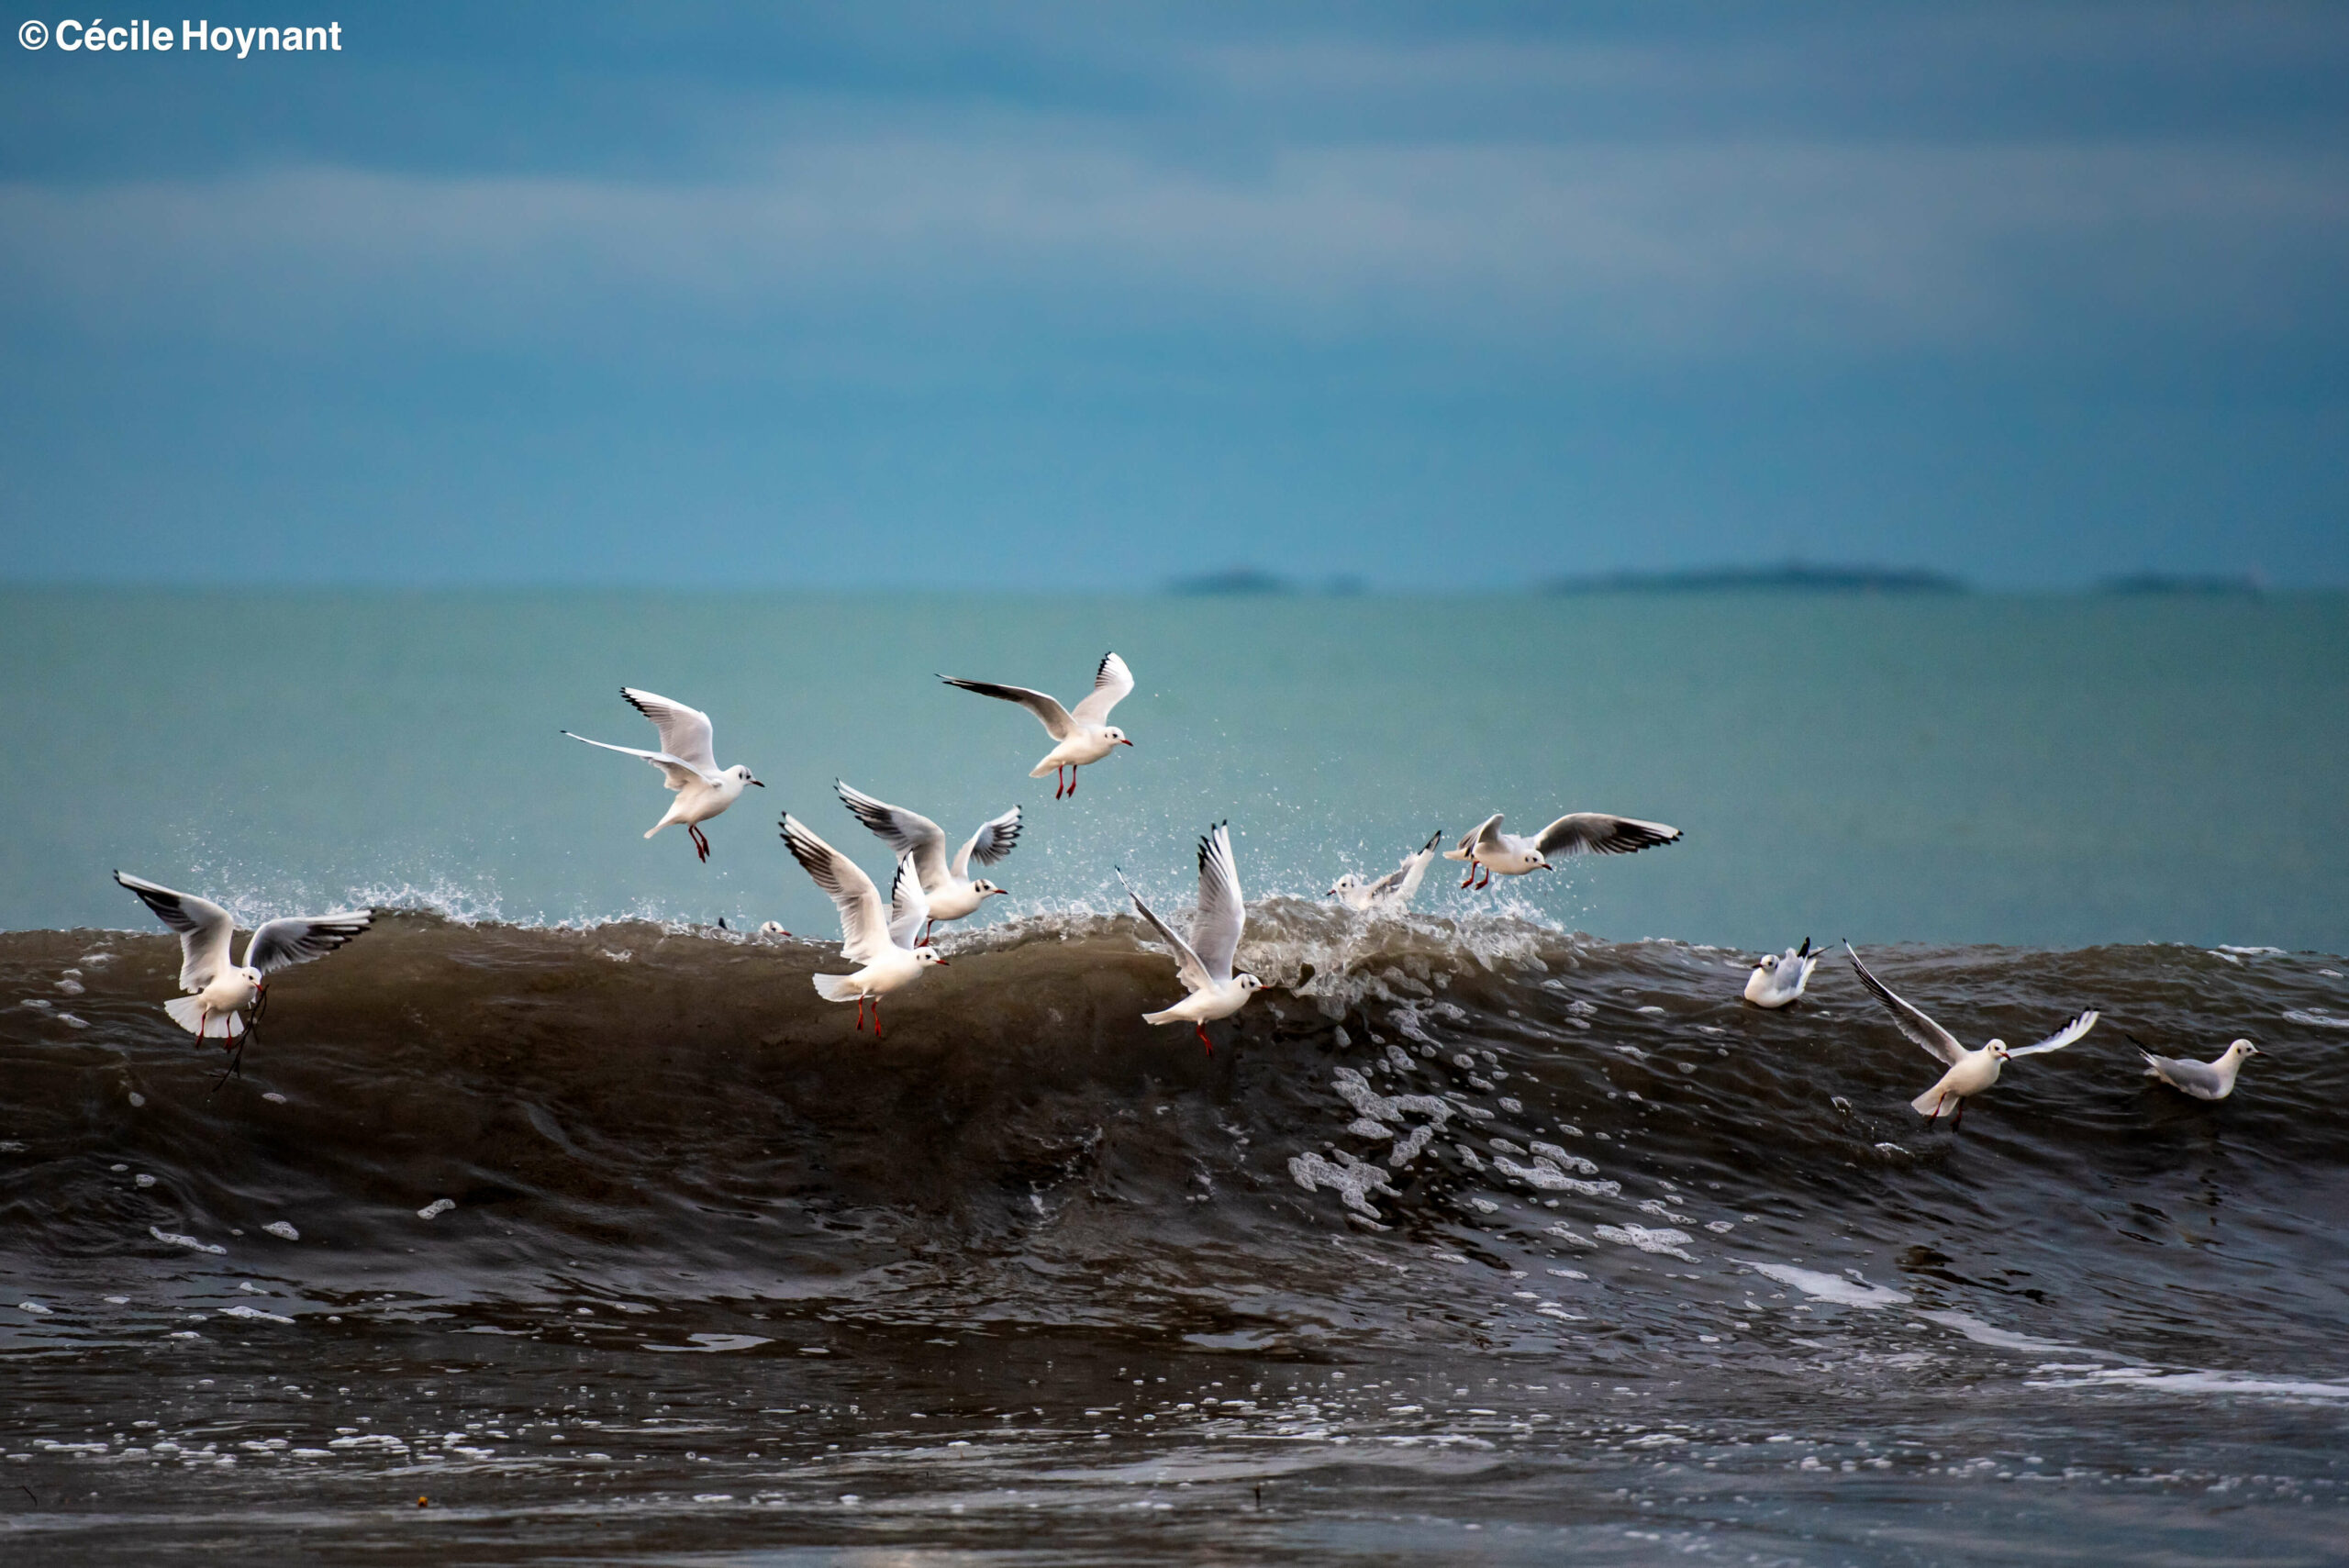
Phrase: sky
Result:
[1086,298]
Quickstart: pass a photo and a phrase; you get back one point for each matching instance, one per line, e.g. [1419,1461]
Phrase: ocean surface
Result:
[549,1222]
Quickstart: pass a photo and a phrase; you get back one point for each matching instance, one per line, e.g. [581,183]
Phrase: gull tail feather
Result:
[1932,1102]
[1168,1016]
[189,1013]
[836,987]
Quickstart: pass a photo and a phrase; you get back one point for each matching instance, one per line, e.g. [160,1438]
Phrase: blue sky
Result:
[1087,297]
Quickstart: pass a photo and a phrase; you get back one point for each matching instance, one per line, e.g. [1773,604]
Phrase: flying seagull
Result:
[878,939]
[947,884]
[1204,963]
[1488,850]
[1082,736]
[1970,1072]
[689,759]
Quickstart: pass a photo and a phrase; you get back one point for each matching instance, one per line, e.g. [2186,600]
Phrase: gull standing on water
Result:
[1778,977]
[688,756]
[1082,735]
[947,884]
[221,993]
[1970,1072]
[1393,891]
[2203,1080]
[879,941]
[1488,850]
[1204,963]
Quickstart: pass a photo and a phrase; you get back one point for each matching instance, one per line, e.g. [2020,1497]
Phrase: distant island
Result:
[1793,576]
[1243,579]
[2211,585]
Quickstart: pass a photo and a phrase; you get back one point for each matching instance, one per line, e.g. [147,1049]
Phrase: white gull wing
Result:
[1938,1042]
[1187,967]
[1484,835]
[678,772]
[864,923]
[2077,1025]
[684,731]
[1397,885]
[297,938]
[1596,833]
[906,832]
[908,904]
[995,838]
[1214,929]
[1112,684]
[204,928]
[1057,723]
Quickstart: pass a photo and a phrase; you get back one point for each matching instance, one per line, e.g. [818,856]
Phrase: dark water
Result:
[1629,1272]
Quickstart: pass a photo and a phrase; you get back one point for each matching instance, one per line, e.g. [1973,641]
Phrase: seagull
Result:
[1204,963]
[880,941]
[1970,1072]
[689,759]
[1778,977]
[1488,850]
[2203,1080]
[947,884]
[220,992]
[1083,737]
[1392,891]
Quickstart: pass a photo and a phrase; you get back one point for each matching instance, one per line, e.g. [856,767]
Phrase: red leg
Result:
[1201,1030]
[860,1015]
[1487,879]
[1470,876]
[1060,781]
[876,1018]
[1959,1120]
[1072,779]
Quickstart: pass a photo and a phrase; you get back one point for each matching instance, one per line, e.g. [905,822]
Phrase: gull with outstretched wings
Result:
[947,884]
[1392,891]
[1493,852]
[1082,734]
[224,999]
[1970,1072]
[878,939]
[1204,963]
[689,762]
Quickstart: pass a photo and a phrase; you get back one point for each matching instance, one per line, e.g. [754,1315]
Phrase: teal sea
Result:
[2040,772]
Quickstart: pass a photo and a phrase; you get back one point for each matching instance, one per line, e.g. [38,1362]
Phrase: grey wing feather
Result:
[1215,930]
[1057,722]
[906,832]
[1596,833]
[205,928]
[684,731]
[1112,684]
[1938,1042]
[996,837]
[298,939]
[2198,1079]
[865,926]
[1484,835]
[1187,967]
[2073,1027]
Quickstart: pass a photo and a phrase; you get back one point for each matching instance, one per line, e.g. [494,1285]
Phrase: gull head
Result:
[1247,982]
[2241,1048]
[927,954]
[987,889]
[254,978]
[1767,963]
[1345,884]
[743,774]
[1998,1052]
[1115,736]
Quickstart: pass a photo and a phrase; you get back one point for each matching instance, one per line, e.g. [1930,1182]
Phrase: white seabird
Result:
[221,993]
[1080,735]
[879,941]
[688,758]
[946,884]
[2203,1080]
[1395,890]
[1970,1072]
[1778,978]
[1204,963]
[1486,849]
